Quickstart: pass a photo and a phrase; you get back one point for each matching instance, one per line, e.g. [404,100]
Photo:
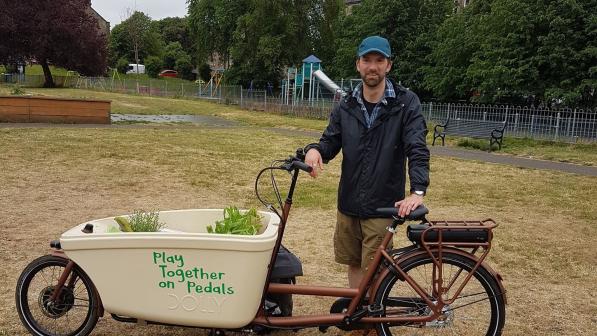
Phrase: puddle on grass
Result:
[173,118]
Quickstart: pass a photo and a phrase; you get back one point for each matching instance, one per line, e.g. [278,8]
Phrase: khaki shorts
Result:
[357,239]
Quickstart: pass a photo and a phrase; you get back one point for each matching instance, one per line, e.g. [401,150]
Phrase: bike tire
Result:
[75,314]
[478,310]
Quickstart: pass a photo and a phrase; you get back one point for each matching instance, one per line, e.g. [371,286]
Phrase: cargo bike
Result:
[183,276]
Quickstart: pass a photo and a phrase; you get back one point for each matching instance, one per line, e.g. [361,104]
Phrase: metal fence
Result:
[558,124]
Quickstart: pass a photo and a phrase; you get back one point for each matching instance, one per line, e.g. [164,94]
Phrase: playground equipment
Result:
[305,84]
[211,88]
[300,85]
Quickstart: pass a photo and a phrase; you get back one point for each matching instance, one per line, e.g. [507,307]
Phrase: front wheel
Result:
[478,310]
[75,312]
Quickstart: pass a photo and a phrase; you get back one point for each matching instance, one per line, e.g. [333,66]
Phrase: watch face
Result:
[420,193]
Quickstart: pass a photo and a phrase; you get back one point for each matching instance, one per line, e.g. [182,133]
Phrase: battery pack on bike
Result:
[451,232]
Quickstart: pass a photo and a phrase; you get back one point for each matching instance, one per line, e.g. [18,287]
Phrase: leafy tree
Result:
[122,65]
[325,18]
[172,53]
[457,39]
[516,51]
[153,66]
[262,38]
[58,32]
[135,38]
[213,23]
[184,67]
[175,29]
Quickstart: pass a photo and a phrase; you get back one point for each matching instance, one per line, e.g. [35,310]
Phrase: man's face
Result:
[373,68]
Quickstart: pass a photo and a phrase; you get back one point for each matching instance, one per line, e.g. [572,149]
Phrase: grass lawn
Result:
[585,154]
[55,178]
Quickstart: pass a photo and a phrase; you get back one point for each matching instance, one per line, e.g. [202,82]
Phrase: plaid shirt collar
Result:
[388,93]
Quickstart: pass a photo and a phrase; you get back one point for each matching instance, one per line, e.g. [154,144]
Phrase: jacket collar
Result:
[390,105]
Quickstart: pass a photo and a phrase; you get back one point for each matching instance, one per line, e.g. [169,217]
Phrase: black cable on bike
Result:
[269,206]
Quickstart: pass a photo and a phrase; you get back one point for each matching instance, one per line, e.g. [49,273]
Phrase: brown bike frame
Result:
[370,282]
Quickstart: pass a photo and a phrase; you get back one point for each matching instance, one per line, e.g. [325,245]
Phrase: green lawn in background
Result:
[580,153]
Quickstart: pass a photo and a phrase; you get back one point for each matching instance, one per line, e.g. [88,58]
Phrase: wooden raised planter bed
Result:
[54,110]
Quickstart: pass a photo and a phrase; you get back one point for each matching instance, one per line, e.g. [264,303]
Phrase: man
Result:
[377,127]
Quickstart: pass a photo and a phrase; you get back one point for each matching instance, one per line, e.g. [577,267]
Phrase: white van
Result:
[132,69]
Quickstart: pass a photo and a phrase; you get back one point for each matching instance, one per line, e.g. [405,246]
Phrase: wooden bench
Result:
[54,110]
[494,130]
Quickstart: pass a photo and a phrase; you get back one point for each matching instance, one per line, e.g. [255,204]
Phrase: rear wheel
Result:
[75,312]
[478,310]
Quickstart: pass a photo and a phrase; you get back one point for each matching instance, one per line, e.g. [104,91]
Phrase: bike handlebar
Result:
[302,166]
[416,214]
[297,162]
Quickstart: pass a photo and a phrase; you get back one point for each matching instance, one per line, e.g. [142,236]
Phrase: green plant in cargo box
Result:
[235,222]
[140,221]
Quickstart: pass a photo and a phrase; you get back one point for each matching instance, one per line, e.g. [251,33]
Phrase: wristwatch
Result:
[419,193]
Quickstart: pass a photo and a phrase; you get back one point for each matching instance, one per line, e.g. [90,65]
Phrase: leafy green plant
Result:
[140,221]
[235,222]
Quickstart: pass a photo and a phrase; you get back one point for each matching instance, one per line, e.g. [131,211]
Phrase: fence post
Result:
[516,122]
[448,112]
[241,96]
[573,123]
[557,126]
[430,109]
[181,89]
[484,115]
[265,100]
[532,124]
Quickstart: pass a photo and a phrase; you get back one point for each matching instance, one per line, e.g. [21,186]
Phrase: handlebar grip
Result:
[302,166]
[417,213]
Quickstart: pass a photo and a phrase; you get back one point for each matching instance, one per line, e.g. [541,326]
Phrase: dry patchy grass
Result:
[53,179]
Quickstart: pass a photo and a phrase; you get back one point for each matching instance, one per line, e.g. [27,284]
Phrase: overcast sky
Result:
[115,10]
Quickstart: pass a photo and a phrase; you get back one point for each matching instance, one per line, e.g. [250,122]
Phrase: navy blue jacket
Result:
[374,159]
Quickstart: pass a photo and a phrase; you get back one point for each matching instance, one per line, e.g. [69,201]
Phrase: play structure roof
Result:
[312,59]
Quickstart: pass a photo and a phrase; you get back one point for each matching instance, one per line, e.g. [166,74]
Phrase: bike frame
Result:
[370,282]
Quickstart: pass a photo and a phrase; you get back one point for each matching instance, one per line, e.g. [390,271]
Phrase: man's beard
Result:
[372,81]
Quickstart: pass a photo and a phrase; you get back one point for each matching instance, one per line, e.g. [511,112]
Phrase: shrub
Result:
[184,67]
[153,66]
[122,65]
[205,72]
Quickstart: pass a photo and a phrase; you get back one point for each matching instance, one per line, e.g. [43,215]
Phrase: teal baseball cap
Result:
[375,44]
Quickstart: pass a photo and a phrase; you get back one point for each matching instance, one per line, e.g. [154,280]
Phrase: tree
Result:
[213,23]
[153,66]
[175,29]
[134,39]
[184,67]
[261,46]
[122,65]
[172,53]
[58,32]
[515,51]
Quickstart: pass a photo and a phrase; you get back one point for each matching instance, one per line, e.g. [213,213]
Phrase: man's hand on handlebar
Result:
[408,204]
[313,159]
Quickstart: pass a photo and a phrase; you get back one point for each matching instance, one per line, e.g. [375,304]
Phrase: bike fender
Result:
[417,253]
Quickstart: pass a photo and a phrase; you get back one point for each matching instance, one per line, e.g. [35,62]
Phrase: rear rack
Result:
[463,233]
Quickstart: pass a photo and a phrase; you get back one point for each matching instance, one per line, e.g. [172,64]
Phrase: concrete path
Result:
[213,121]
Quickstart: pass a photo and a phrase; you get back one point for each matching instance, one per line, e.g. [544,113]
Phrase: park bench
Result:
[494,130]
